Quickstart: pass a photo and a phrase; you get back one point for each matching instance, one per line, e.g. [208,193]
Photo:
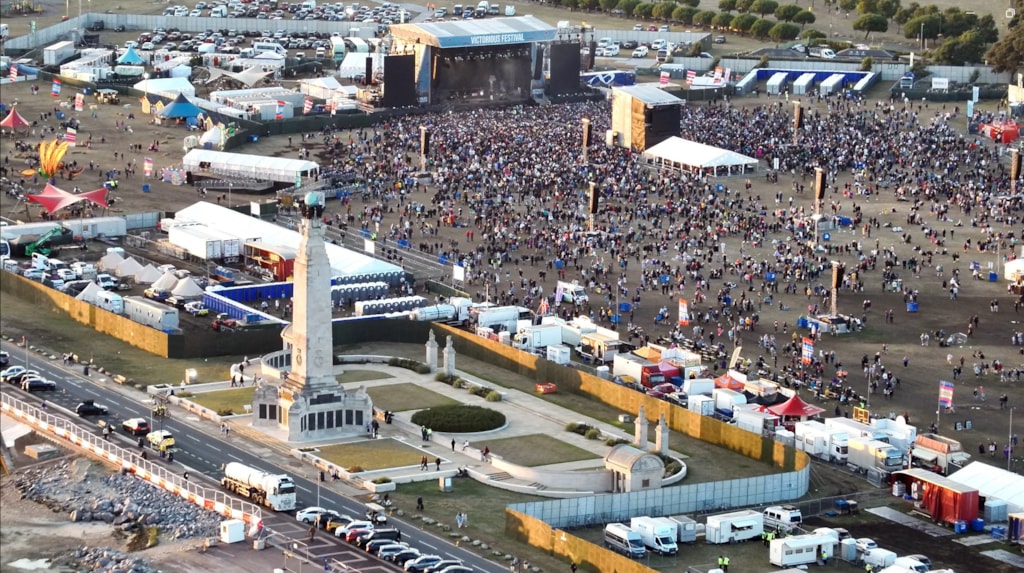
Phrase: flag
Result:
[684,312]
[147,167]
[727,74]
[945,394]
[690,76]
[79,102]
[718,72]
[159,106]
[559,293]
[71,136]
[664,78]
[333,105]
[307,106]
[55,89]
[14,73]
[279,114]
[807,351]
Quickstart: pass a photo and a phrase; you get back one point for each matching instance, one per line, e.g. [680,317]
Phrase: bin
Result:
[977,524]
[145,188]
[993,277]
[444,484]
[960,526]
[911,307]
[254,138]
[802,322]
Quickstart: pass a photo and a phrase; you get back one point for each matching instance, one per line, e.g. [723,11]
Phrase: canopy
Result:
[257,167]
[249,77]
[993,483]
[110,261]
[54,199]
[166,282]
[214,136]
[688,154]
[89,293]
[14,120]
[131,58]
[187,287]
[128,268]
[795,408]
[147,275]
[167,87]
[180,108]
[321,88]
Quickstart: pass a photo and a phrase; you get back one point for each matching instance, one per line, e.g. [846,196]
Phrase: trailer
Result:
[727,400]
[658,533]
[797,550]
[699,386]
[151,313]
[938,453]
[537,337]
[701,404]
[832,84]
[96,227]
[901,434]
[196,241]
[57,54]
[829,444]
[274,491]
[455,311]
[686,528]
[643,371]
[734,527]
[857,429]
[602,348]
[752,418]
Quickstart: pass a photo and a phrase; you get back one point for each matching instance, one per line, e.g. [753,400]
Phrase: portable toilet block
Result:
[232,531]
[848,549]
[995,511]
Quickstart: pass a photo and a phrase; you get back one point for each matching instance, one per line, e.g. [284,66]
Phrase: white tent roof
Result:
[326,82]
[128,268]
[187,287]
[1013,268]
[167,87]
[257,167]
[166,282]
[993,483]
[89,293]
[213,135]
[353,64]
[344,262]
[147,275]
[693,154]
[110,261]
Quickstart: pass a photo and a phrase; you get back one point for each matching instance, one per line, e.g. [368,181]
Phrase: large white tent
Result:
[343,261]
[167,87]
[247,166]
[321,88]
[690,156]
[993,483]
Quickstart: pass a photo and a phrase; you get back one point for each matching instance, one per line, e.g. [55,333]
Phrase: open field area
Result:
[536,450]
[372,454]
[406,396]
[362,376]
[234,399]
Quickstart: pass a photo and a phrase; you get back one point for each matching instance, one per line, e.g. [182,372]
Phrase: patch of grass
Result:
[405,397]
[536,450]
[362,376]
[234,399]
[372,455]
[459,419]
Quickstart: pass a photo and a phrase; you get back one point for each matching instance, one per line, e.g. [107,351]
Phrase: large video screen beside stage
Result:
[565,69]
[492,72]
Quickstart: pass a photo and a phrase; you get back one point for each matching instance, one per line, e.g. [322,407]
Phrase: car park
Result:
[90,408]
[38,384]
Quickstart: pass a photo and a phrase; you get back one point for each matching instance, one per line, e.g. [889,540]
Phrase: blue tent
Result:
[131,58]
[180,108]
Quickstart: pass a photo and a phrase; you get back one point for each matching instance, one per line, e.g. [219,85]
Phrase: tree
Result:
[866,63]
[761,28]
[704,17]
[764,7]
[743,22]
[812,34]
[663,10]
[867,7]
[723,20]
[986,27]
[964,49]
[571,4]
[627,6]
[588,4]
[784,32]
[692,3]
[848,4]
[871,23]
[743,5]
[608,5]
[643,10]
[888,8]
[726,5]
[927,26]
[787,12]
[804,17]
[684,14]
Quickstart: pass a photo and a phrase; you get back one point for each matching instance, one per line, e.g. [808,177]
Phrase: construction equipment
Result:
[44,245]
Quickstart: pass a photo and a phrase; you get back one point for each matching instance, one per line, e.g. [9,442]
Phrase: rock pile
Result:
[103,560]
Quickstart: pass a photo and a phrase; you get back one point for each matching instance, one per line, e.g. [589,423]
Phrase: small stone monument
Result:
[432,352]
[640,435]
[661,436]
[449,357]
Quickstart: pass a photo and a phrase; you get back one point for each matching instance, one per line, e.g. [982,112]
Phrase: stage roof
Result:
[473,33]
[648,94]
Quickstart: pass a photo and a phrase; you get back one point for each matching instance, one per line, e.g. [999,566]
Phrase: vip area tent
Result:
[188,288]
[14,120]
[180,108]
[993,483]
[691,156]
[130,58]
[320,88]
[167,87]
[256,167]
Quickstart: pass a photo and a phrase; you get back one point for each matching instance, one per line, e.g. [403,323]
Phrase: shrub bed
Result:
[415,366]
[459,418]
[578,428]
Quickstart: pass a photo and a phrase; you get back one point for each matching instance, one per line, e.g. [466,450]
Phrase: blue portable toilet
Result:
[770,277]
[912,307]
[625,307]
[559,265]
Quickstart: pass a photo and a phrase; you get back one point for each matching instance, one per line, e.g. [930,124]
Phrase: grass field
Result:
[362,376]
[407,396]
[234,399]
[536,450]
[372,455]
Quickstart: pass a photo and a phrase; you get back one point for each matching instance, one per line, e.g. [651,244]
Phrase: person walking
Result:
[437,463]
[725,564]
[572,566]
[423,463]
[419,504]
[453,444]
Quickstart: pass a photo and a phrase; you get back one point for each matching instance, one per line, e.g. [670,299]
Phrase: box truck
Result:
[110,301]
[697,386]
[734,527]
[537,337]
[878,558]
[750,418]
[856,429]
[938,453]
[727,400]
[867,454]
[571,292]
[782,517]
[818,440]
[796,550]
[621,539]
[643,371]
[658,533]
[703,405]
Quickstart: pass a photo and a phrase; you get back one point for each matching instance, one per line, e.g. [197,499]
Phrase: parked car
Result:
[719,39]
[38,384]
[16,376]
[388,550]
[866,544]
[421,563]
[442,565]
[5,358]
[628,44]
[90,408]
[641,52]
[402,557]
[310,514]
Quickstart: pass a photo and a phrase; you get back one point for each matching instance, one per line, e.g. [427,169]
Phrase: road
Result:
[202,453]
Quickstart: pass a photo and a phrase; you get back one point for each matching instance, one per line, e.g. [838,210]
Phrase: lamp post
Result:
[145,83]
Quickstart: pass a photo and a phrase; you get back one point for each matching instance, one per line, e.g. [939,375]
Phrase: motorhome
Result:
[782,517]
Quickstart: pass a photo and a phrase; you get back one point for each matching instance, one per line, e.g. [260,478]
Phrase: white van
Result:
[911,564]
[260,47]
[510,10]
[219,12]
[572,292]
[620,538]
[110,301]
[782,517]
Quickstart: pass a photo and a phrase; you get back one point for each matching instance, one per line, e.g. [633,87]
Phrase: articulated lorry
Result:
[274,491]
[867,454]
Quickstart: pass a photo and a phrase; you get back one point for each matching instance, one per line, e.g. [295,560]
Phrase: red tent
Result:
[795,408]
[14,120]
[54,199]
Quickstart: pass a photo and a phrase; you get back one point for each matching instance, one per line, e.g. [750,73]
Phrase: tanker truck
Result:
[274,491]
[456,311]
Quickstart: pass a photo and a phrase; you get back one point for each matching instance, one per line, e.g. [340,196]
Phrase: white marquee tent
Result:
[246,166]
[344,261]
[993,483]
[167,87]
[1013,269]
[690,156]
[89,293]
[110,261]
[320,88]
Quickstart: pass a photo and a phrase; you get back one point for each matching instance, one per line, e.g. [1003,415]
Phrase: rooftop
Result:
[471,33]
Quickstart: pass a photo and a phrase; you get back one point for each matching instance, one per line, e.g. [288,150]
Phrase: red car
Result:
[354,534]
[652,28]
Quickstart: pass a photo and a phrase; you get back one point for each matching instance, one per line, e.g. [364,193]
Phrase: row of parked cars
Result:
[32,381]
[387,13]
[374,536]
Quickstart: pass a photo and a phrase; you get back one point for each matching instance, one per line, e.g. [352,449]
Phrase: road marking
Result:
[114,402]
[234,457]
[302,488]
[91,391]
[193,438]
[216,449]
[428,545]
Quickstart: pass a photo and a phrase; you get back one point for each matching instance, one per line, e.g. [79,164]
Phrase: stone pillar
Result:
[661,436]
[449,358]
[640,434]
[432,352]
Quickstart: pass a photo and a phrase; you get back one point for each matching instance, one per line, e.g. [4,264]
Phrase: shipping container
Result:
[57,54]
[152,314]
[196,240]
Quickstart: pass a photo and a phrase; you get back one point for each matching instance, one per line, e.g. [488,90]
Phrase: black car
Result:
[38,385]
[629,45]
[16,378]
[90,408]
[5,357]
[402,556]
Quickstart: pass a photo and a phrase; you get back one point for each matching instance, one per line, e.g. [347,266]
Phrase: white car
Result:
[310,514]
[866,544]
[658,44]
[611,51]
[343,531]
[641,52]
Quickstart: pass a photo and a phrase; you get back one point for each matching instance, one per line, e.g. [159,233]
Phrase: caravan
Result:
[797,550]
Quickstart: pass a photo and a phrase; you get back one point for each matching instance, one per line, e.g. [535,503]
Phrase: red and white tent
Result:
[795,408]
[14,120]
[54,199]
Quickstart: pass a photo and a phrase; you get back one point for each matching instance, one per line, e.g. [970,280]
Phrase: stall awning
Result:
[926,456]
